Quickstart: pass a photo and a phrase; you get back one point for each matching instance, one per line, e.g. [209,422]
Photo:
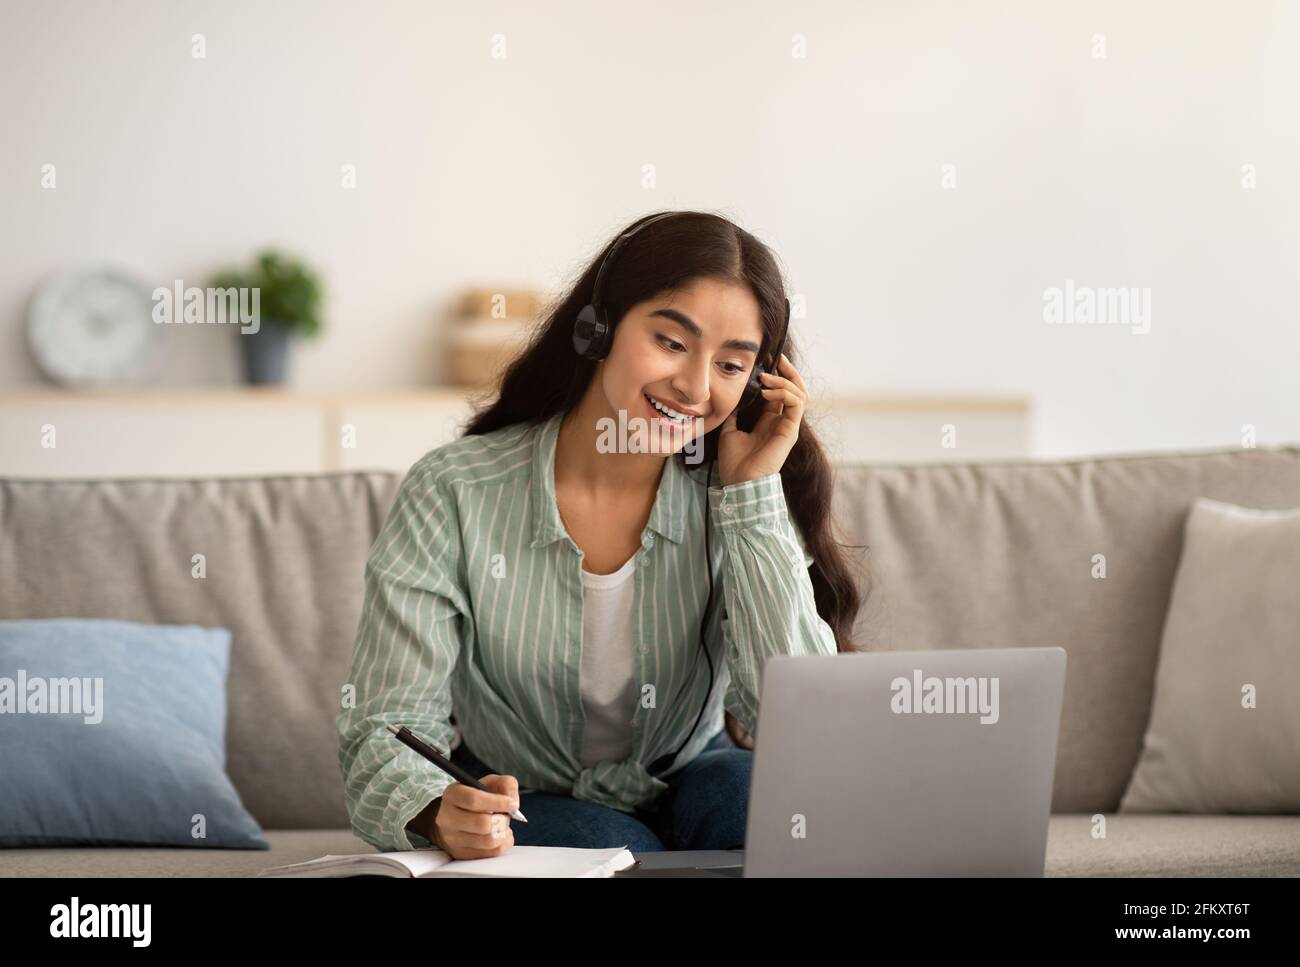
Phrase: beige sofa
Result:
[962,556]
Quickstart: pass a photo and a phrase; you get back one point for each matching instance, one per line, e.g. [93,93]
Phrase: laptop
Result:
[916,763]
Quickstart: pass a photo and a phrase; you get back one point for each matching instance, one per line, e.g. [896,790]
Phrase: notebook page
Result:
[400,864]
[543,861]
[421,862]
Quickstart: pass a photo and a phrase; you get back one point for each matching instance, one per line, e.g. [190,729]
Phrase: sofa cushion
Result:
[114,733]
[278,560]
[989,555]
[286,846]
[1149,844]
[1224,735]
[1134,845]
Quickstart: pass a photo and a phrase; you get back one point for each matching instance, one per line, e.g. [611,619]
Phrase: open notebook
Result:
[516,861]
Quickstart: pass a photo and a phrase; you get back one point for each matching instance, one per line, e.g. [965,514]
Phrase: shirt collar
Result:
[666,517]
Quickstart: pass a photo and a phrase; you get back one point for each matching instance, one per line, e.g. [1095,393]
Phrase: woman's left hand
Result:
[747,456]
[739,736]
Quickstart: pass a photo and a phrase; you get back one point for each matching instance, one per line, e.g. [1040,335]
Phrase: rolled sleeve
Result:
[409,799]
[770,607]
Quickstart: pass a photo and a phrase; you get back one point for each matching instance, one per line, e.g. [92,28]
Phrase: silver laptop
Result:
[918,763]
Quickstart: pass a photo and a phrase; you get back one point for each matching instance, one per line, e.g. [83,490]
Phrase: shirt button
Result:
[645,649]
[727,509]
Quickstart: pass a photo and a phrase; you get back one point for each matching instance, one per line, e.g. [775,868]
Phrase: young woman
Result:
[555,574]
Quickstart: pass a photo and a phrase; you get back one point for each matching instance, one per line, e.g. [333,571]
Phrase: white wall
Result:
[1118,171]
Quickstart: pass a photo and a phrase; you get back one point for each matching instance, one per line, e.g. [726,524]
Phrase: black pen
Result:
[407,737]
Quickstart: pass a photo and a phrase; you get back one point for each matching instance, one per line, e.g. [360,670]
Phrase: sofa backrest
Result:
[960,556]
[1002,555]
[285,564]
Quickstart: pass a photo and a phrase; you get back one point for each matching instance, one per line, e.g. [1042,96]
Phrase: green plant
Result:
[290,293]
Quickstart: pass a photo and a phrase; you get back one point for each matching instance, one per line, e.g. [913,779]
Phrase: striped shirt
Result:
[473,603]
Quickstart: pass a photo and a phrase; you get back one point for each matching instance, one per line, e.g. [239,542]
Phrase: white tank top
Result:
[608,664]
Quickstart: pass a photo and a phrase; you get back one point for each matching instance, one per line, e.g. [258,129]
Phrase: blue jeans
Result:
[704,807]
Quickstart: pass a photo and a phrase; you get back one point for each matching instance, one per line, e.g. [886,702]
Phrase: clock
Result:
[92,327]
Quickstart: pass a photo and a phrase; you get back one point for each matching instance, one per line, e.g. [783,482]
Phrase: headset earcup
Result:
[584,330]
[754,387]
[750,407]
[591,333]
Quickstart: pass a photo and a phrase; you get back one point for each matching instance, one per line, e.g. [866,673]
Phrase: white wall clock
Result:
[93,327]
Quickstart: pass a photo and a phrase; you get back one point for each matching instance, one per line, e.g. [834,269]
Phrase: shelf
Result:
[208,431]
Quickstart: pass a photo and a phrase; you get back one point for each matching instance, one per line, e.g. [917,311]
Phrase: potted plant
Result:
[289,300]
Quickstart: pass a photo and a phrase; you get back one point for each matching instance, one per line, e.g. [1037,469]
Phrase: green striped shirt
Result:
[473,602]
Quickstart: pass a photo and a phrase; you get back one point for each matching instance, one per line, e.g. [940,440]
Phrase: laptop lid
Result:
[918,763]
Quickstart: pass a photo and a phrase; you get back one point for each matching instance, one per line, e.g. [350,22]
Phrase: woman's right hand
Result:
[472,824]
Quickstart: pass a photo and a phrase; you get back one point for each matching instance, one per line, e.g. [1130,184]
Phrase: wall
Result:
[1118,171]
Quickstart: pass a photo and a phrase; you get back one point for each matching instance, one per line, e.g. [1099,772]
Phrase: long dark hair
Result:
[548,376]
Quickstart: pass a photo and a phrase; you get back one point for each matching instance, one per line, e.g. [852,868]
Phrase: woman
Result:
[517,578]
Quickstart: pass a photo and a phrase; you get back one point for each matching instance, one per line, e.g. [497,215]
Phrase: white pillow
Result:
[1233,627]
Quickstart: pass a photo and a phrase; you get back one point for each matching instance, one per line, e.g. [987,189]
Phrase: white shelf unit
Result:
[245,431]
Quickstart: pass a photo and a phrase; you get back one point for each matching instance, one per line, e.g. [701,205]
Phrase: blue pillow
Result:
[113,733]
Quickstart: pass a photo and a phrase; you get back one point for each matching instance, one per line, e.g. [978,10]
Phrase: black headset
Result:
[593,335]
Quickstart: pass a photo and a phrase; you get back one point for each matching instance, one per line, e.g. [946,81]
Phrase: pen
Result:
[407,737]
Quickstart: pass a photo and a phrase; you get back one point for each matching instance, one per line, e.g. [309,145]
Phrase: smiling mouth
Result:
[664,418]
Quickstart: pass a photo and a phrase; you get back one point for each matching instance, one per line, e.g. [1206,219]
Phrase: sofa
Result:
[957,555]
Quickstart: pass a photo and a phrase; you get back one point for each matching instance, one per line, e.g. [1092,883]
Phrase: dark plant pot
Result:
[266,353]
